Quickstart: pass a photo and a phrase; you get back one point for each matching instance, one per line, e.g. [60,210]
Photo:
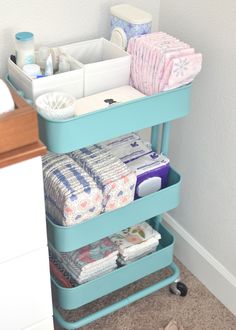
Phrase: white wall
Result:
[59,21]
[203,144]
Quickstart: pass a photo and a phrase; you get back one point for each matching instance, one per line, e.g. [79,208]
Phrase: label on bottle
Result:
[29,59]
[24,57]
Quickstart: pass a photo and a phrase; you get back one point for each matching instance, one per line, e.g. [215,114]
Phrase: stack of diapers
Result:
[161,62]
[88,262]
[150,168]
[127,147]
[135,242]
[71,195]
[111,175]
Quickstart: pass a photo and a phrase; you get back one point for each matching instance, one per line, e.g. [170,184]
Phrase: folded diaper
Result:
[71,195]
[111,175]
[135,242]
[161,62]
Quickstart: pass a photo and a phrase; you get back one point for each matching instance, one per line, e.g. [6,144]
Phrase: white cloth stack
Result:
[112,176]
[71,195]
[135,242]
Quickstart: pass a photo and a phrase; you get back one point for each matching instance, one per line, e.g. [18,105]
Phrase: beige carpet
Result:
[199,310]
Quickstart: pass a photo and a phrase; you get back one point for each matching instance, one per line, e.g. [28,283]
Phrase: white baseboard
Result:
[46,324]
[203,265]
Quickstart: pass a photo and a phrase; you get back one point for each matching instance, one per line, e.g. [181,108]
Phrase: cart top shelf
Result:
[77,132]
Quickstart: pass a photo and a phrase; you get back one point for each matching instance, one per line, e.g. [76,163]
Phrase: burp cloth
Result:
[135,242]
[89,261]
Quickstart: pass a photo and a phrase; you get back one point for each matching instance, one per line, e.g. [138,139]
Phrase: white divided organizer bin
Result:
[68,82]
[105,65]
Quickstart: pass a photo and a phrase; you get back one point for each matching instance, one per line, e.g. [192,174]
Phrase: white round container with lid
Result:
[24,46]
[128,21]
[32,70]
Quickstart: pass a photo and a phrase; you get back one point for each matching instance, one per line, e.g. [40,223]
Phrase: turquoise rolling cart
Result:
[101,125]
[64,136]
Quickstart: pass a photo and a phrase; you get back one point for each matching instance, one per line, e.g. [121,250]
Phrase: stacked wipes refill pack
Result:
[111,175]
[150,168]
[152,173]
[161,62]
[127,147]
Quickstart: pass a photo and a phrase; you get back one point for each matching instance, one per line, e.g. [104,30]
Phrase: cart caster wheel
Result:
[179,289]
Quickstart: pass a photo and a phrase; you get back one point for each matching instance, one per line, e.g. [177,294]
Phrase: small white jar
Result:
[24,46]
[32,70]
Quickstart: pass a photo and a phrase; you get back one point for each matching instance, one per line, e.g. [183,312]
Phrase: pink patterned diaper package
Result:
[161,62]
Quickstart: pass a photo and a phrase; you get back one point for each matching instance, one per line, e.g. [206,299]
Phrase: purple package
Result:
[152,173]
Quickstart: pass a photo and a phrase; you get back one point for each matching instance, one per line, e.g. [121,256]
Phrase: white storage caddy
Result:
[97,65]
[68,82]
[105,65]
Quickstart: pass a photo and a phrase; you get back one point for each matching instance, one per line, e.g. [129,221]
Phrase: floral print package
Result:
[135,242]
[88,262]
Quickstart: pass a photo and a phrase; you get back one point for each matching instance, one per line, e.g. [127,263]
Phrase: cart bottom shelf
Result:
[118,305]
[71,298]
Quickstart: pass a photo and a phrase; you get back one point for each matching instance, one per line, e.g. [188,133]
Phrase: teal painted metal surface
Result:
[66,239]
[75,297]
[68,135]
[165,138]
[72,134]
[155,137]
[120,304]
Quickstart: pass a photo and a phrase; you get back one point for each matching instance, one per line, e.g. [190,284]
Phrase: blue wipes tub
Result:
[127,22]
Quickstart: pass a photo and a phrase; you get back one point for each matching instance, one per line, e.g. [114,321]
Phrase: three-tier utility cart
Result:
[156,111]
